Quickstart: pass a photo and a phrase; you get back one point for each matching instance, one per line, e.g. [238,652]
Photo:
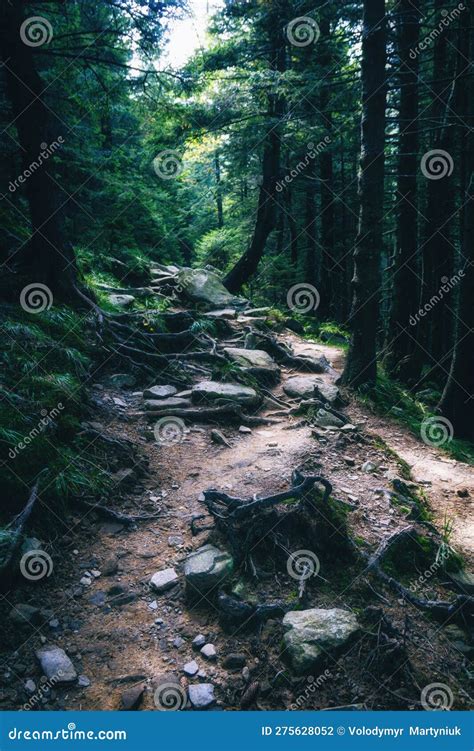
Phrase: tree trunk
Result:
[248,263]
[217,173]
[361,365]
[402,359]
[437,325]
[457,403]
[48,258]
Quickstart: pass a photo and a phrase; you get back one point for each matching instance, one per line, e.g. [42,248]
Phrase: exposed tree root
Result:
[14,536]
[212,414]
[116,516]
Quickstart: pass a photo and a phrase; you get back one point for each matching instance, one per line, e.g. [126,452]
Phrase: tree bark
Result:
[217,173]
[248,263]
[457,402]
[402,361]
[361,364]
[48,257]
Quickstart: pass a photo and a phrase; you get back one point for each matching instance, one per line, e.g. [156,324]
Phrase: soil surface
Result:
[145,640]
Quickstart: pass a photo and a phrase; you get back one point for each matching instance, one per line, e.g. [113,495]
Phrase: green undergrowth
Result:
[391,399]
[45,361]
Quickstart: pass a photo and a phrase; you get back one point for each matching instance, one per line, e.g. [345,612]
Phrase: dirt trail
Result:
[150,636]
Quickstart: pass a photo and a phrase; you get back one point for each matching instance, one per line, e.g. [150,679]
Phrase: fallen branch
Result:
[116,516]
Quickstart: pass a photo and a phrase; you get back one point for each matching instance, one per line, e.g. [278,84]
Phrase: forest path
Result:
[144,639]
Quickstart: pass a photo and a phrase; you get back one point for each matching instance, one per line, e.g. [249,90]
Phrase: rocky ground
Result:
[175,611]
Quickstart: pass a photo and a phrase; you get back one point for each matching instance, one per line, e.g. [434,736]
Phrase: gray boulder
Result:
[159,392]
[214,391]
[255,361]
[205,569]
[312,634]
[305,387]
[164,580]
[122,301]
[205,286]
[55,664]
[324,419]
[174,402]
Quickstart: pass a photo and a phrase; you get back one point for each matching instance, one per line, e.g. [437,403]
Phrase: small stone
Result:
[244,429]
[369,467]
[234,661]
[54,623]
[83,681]
[178,642]
[191,668]
[56,664]
[349,461]
[163,580]
[246,673]
[30,686]
[202,674]
[201,695]
[98,598]
[175,541]
[110,566]
[85,581]
[22,615]
[199,641]
[209,652]
[219,438]
[205,569]
[153,605]
[132,697]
